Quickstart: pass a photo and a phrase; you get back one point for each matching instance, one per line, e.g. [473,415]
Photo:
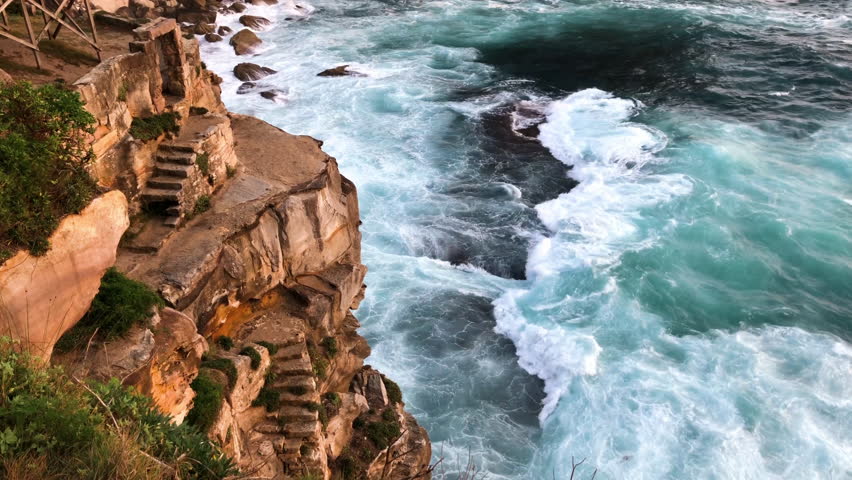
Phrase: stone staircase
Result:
[293,425]
[165,189]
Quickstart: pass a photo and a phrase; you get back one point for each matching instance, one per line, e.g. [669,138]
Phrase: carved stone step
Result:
[166,183]
[184,158]
[173,211]
[160,195]
[299,366]
[173,169]
[296,414]
[171,221]
[289,445]
[289,398]
[301,429]
[268,427]
[185,147]
[291,352]
[307,382]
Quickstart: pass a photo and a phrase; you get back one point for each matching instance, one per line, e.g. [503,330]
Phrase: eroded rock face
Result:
[244,42]
[251,71]
[42,297]
[339,430]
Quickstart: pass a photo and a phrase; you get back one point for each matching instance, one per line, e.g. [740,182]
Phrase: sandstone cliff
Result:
[251,236]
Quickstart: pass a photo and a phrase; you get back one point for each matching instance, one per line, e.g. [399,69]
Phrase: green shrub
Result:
[230,170]
[149,128]
[208,401]
[394,392]
[224,365]
[43,159]
[122,93]
[318,362]
[389,415]
[304,449]
[269,398]
[359,423]
[333,398]
[330,344]
[225,342]
[63,429]
[253,354]
[203,162]
[197,110]
[120,304]
[382,433]
[347,466]
[270,347]
[201,205]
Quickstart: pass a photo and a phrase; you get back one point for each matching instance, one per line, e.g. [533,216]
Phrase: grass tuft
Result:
[149,128]
[253,354]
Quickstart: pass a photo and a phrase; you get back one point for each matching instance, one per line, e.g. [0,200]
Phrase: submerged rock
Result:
[223,30]
[245,88]
[204,28]
[212,37]
[340,71]
[251,71]
[244,42]
[254,22]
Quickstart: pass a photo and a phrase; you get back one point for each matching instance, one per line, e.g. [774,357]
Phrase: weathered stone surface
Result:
[238,7]
[340,71]
[339,430]
[251,71]
[409,456]
[5,77]
[212,38]
[245,42]
[42,297]
[255,22]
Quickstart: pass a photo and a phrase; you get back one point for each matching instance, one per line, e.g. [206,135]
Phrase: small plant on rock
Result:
[270,347]
[394,392]
[149,128]
[253,354]
[224,365]
[208,401]
[268,398]
[225,342]
[330,345]
[203,162]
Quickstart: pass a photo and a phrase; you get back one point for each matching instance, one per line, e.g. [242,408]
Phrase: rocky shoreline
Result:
[250,235]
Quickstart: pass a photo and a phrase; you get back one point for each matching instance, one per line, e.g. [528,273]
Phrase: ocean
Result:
[619,231]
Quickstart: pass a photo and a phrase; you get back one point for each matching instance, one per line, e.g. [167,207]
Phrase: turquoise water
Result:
[657,276]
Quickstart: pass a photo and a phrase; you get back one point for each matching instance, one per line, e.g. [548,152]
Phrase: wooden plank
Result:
[94,29]
[30,31]
[47,23]
[69,27]
[16,39]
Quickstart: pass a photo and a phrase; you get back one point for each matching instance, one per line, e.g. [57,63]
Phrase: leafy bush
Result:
[359,423]
[209,395]
[43,159]
[224,365]
[384,432]
[330,344]
[201,206]
[203,162]
[197,110]
[297,390]
[53,427]
[230,171]
[269,398]
[394,392]
[253,354]
[318,362]
[333,398]
[321,411]
[270,347]
[225,342]
[149,128]
[120,304]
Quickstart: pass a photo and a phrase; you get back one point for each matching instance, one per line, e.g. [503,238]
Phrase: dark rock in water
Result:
[251,71]
[245,88]
[238,7]
[340,71]
[269,94]
[244,42]
[255,23]
[204,28]
[223,30]
[212,37]
[196,17]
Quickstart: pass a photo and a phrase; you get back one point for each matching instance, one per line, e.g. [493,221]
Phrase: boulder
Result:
[223,30]
[269,94]
[42,297]
[251,71]
[245,42]
[238,7]
[340,71]
[255,23]
[204,28]
[246,87]
[212,37]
